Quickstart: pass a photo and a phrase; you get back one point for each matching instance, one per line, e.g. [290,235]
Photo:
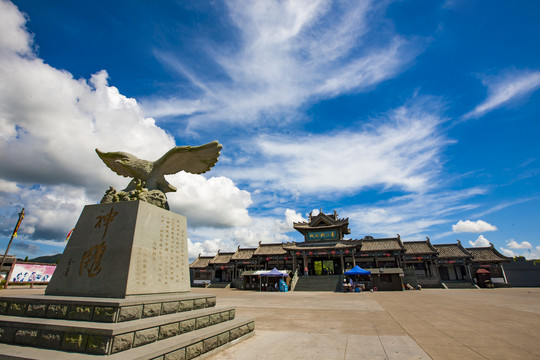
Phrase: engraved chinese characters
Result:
[91,258]
[167,256]
[169,250]
[105,220]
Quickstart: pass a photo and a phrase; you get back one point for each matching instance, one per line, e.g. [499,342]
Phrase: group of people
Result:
[350,285]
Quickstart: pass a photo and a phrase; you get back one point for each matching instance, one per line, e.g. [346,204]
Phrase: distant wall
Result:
[522,273]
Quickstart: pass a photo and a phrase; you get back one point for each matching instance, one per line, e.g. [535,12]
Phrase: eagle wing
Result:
[192,159]
[110,159]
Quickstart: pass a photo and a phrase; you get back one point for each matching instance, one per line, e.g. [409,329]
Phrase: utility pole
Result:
[21,217]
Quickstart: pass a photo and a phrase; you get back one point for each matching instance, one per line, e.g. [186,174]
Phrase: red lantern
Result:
[387,254]
[310,253]
[267,259]
[346,251]
[298,253]
[333,252]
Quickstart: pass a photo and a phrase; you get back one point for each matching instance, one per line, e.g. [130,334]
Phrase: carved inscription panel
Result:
[160,259]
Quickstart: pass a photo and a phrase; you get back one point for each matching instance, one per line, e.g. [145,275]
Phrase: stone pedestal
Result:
[124,249]
[120,291]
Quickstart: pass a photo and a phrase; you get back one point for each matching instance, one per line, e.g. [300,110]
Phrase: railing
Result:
[294,280]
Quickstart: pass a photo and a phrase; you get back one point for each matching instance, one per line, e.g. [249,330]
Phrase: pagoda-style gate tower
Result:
[324,250]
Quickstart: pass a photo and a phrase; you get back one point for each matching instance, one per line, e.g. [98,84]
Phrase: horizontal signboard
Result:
[32,273]
[322,235]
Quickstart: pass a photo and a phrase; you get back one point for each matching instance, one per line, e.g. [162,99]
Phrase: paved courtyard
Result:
[427,324]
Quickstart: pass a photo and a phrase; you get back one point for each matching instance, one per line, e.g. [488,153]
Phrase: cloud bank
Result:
[50,124]
[400,152]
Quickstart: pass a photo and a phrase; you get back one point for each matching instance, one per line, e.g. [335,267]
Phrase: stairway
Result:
[319,283]
[219,285]
[459,285]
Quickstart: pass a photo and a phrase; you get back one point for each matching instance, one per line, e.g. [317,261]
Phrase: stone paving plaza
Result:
[427,324]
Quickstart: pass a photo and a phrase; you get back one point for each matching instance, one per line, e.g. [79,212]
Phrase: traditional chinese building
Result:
[325,252]
[490,260]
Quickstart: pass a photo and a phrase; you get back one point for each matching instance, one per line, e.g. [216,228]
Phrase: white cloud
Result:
[523,249]
[504,89]
[9,187]
[209,202]
[402,153]
[507,252]
[287,54]
[14,39]
[209,247]
[469,226]
[208,241]
[480,242]
[513,244]
[291,217]
[412,216]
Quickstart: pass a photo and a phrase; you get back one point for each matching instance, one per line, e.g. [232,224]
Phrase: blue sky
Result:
[418,118]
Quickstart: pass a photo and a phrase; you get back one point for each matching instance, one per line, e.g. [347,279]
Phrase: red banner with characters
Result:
[38,273]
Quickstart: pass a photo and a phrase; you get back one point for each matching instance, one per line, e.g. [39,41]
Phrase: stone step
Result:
[219,285]
[107,338]
[319,283]
[102,309]
[205,341]
[459,285]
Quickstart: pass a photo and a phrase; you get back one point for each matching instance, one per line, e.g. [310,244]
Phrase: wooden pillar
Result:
[353,258]
[293,262]
[342,264]
[305,264]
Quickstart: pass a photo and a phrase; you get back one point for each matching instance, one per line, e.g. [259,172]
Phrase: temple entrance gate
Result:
[325,266]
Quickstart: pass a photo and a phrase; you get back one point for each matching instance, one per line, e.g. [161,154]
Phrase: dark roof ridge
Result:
[458,244]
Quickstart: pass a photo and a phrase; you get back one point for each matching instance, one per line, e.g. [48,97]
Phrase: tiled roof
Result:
[419,247]
[390,244]
[487,254]
[201,262]
[243,254]
[323,221]
[221,258]
[270,249]
[452,251]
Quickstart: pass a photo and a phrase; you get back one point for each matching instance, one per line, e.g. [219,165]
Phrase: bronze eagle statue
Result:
[148,176]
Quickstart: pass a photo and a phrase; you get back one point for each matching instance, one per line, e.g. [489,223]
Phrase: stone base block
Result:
[102,309]
[197,344]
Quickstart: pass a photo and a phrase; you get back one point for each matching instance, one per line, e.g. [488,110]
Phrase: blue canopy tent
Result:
[274,273]
[357,270]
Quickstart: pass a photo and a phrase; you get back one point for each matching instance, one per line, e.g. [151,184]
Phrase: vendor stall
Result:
[273,280]
[358,279]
